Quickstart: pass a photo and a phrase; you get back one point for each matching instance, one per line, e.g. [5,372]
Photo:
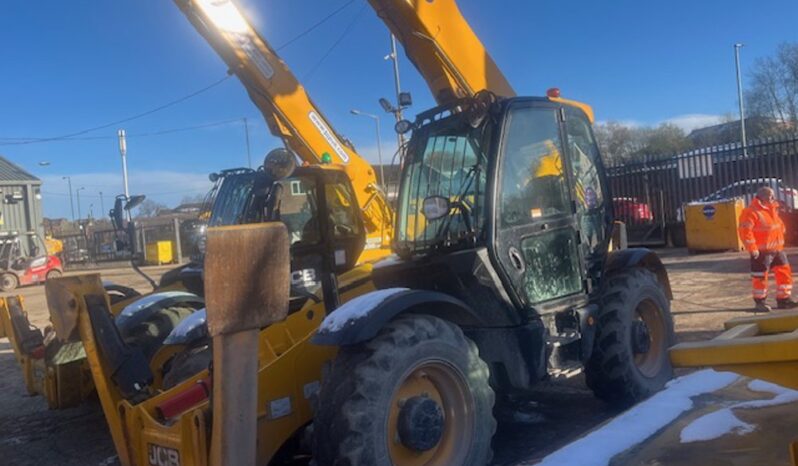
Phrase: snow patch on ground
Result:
[714,425]
[640,422]
[722,422]
[356,309]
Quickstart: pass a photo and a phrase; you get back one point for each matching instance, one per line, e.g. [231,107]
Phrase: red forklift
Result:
[24,260]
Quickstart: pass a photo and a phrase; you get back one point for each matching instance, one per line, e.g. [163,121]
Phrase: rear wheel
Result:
[635,329]
[150,334]
[8,282]
[53,274]
[417,394]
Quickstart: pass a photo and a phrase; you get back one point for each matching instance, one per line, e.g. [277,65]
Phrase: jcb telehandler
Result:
[503,279]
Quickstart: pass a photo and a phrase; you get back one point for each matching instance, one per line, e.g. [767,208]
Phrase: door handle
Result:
[516,259]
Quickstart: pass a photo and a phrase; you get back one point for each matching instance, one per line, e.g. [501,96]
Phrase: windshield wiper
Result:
[442,235]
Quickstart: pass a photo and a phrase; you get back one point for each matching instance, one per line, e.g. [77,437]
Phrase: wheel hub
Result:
[420,423]
[641,338]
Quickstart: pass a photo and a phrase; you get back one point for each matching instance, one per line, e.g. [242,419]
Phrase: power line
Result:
[118,122]
[335,44]
[311,28]
[137,135]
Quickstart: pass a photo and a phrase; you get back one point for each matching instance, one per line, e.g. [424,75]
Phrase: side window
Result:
[533,184]
[342,207]
[298,210]
[588,191]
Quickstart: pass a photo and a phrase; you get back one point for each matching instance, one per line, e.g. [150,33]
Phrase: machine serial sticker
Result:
[328,135]
[162,456]
[280,407]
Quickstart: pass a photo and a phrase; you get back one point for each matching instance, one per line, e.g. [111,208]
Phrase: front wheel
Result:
[8,282]
[635,329]
[417,394]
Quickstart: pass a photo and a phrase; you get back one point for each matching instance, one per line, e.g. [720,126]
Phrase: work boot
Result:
[761,306]
[786,303]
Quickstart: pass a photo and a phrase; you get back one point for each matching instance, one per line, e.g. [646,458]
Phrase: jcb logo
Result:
[303,278]
[162,456]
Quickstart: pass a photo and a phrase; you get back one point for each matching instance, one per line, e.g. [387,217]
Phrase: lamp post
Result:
[379,142]
[737,48]
[77,192]
[102,206]
[71,203]
[123,153]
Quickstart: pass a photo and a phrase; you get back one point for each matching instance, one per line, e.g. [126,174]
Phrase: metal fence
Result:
[98,246]
[649,195]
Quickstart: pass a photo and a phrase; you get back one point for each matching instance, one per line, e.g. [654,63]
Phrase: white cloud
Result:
[691,121]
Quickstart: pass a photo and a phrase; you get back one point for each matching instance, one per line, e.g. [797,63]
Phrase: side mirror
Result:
[435,207]
[135,201]
[213,177]
[116,213]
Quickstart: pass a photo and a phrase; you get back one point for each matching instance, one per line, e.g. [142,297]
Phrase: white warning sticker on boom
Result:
[329,136]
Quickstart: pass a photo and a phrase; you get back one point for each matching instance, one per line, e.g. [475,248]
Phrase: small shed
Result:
[20,200]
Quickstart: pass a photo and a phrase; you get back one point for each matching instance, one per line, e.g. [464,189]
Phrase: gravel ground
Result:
[708,290]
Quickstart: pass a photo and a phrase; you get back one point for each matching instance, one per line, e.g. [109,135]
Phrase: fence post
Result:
[177,241]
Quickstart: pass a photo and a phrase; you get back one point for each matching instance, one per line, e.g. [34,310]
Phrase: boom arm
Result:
[286,107]
[443,47]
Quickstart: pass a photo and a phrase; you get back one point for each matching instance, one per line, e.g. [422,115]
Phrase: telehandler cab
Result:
[503,279]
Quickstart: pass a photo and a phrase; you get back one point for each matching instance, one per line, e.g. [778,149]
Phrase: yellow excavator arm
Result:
[446,51]
[443,47]
[287,108]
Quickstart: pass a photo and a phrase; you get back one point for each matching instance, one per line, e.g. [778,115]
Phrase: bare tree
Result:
[621,143]
[773,91]
[149,208]
[193,199]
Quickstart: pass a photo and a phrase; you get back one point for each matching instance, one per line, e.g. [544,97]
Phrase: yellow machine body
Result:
[289,375]
[713,226]
[761,347]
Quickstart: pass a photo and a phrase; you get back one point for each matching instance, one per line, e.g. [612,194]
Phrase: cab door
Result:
[536,240]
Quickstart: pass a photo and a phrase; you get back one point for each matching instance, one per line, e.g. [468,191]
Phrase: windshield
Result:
[231,199]
[445,159]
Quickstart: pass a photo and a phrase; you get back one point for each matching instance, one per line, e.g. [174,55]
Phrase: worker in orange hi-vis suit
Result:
[762,233]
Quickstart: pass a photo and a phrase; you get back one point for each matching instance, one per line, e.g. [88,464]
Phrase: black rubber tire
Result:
[186,365]
[354,399]
[611,372]
[53,274]
[8,282]
[150,334]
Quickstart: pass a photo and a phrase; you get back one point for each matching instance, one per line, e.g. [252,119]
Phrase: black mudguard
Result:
[639,257]
[369,322]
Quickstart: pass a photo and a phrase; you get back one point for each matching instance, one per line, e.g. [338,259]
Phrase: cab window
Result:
[533,183]
[298,210]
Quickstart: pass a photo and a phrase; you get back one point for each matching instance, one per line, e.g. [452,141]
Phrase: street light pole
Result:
[740,98]
[123,152]
[71,203]
[77,192]
[246,135]
[379,142]
[400,138]
[102,206]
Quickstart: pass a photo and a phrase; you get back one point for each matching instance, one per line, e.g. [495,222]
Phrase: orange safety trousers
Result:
[778,264]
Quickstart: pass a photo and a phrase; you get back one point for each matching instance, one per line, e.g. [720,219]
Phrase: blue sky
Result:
[72,65]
